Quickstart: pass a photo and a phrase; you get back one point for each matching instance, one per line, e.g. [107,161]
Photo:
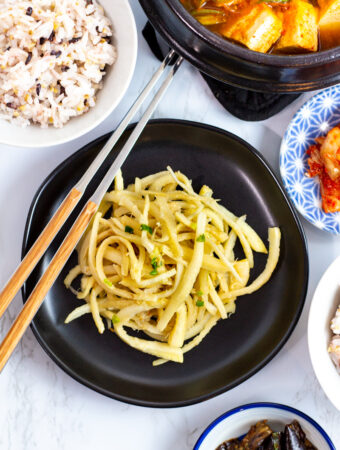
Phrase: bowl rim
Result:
[97,120]
[219,43]
[321,379]
[256,405]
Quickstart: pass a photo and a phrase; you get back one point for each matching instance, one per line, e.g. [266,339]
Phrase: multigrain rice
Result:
[53,56]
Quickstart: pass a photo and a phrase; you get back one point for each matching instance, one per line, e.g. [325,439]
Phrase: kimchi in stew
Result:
[279,26]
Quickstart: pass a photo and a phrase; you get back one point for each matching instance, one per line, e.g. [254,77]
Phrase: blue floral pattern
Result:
[315,118]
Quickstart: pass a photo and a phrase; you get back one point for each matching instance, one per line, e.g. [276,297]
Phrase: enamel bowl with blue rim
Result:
[315,118]
[237,422]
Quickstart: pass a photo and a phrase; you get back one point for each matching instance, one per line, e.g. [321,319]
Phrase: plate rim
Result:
[257,368]
[283,141]
[256,405]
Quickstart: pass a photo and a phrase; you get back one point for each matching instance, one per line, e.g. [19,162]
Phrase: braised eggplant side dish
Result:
[262,437]
[278,26]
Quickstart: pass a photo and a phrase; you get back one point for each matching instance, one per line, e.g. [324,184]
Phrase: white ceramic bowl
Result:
[324,304]
[115,84]
[238,421]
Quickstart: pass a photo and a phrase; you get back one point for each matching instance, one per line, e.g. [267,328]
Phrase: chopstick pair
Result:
[46,281]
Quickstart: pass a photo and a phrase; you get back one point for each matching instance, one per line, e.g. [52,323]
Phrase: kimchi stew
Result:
[278,26]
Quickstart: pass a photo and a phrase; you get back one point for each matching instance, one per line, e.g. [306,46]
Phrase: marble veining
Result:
[43,408]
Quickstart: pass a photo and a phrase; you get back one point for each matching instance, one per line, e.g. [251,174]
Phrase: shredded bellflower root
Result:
[159,258]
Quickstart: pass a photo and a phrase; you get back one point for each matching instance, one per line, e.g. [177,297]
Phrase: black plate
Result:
[236,348]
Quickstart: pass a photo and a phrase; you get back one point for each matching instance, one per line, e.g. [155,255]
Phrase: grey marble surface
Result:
[43,408]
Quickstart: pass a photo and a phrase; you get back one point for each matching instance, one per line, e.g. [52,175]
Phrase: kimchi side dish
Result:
[324,162]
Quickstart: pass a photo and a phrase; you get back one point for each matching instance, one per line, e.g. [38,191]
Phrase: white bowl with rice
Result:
[64,67]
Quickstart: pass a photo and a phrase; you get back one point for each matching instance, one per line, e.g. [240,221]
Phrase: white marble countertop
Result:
[43,408]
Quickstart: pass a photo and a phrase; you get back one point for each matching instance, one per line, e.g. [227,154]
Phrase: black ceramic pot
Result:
[237,65]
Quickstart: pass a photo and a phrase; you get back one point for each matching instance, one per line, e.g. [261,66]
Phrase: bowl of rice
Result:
[64,67]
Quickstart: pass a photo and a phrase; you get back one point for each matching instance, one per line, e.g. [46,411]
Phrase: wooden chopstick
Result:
[34,301]
[38,249]
[65,209]
[53,270]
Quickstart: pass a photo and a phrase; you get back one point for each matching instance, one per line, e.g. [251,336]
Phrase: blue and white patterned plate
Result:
[315,118]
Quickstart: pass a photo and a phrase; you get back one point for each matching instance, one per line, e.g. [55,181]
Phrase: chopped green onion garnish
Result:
[200,303]
[144,227]
[199,293]
[128,229]
[154,272]
[108,282]
[115,319]
[201,238]
[155,263]
[155,253]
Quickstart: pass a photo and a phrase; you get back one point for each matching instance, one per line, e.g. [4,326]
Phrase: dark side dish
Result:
[279,26]
[262,437]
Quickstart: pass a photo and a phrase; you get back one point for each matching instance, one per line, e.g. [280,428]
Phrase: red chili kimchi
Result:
[324,162]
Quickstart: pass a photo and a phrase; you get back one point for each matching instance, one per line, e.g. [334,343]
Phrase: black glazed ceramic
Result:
[236,348]
[237,65]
